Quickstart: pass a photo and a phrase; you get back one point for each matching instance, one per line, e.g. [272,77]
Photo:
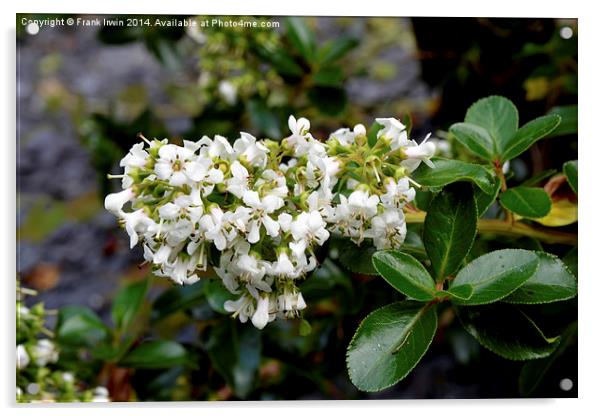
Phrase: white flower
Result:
[362,204]
[170,165]
[218,148]
[262,207]
[283,267]
[344,136]
[398,193]
[217,227]
[22,357]
[238,184]
[393,130]
[309,227]
[200,172]
[291,301]
[44,352]
[114,202]
[137,157]
[250,150]
[261,316]
[228,92]
[101,395]
[388,229]
[416,153]
[137,222]
[242,307]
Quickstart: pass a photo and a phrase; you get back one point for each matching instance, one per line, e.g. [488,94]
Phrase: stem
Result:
[511,229]
[499,171]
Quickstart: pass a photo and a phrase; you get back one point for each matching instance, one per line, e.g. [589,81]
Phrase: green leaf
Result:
[335,49]
[282,62]
[533,372]
[217,295]
[405,273]
[527,135]
[301,37]
[485,200]
[127,303]
[474,138]
[372,132]
[450,228]
[551,282]
[178,298]
[329,77]
[460,292]
[156,354]
[447,171]
[495,275]
[568,123]
[527,202]
[506,331]
[235,352]
[80,326]
[570,171]
[498,116]
[357,259]
[389,343]
[536,179]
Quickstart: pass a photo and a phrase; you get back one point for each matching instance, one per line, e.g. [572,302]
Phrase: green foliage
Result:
[570,171]
[79,326]
[357,259]
[235,352]
[405,273]
[447,171]
[568,123]
[527,202]
[301,37]
[490,130]
[507,331]
[551,282]
[495,275]
[450,227]
[156,354]
[389,343]
[127,304]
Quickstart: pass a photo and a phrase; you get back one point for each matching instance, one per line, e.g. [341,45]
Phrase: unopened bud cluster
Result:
[265,206]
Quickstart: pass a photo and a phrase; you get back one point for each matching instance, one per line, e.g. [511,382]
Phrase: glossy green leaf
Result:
[335,49]
[217,295]
[460,292]
[506,331]
[527,135]
[495,275]
[485,200]
[127,303]
[474,138]
[447,171]
[282,62]
[533,372]
[570,171]
[80,326]
[568,123]
[405,273]
[301,37]
[551,282]
[357,259]
[156,354]
[527,202]
[450,228]
[235,352]
[389,343]
[372,132]
[498,116]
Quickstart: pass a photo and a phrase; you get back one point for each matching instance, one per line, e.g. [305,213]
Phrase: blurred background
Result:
[83,93]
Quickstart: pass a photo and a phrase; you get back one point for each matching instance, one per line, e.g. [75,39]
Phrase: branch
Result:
[514,229]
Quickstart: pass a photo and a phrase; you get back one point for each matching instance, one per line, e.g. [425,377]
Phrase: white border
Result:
[590,71]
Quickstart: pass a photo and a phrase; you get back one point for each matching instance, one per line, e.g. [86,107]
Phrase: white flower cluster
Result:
[264,206]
